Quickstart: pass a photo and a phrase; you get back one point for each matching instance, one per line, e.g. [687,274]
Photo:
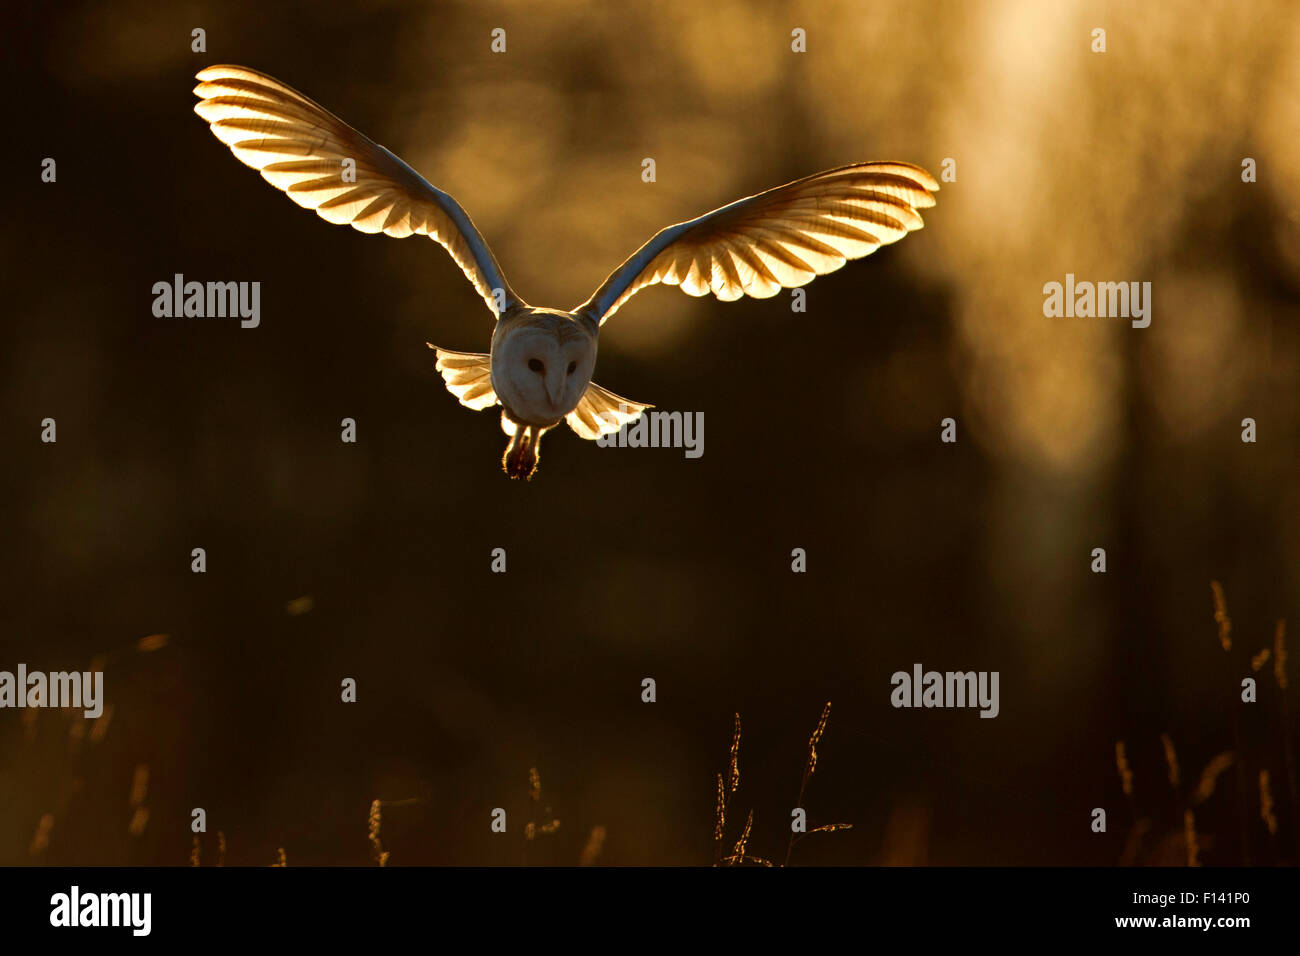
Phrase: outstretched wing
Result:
[468,376]
[777,239]
[303,149]
[601,412]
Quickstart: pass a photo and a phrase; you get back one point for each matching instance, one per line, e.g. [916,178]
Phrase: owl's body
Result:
[541,361]
[560,351]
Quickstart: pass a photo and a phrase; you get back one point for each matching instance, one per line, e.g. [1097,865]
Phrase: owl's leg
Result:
[520,459]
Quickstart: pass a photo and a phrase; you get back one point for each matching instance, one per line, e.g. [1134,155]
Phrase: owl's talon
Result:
[522,453]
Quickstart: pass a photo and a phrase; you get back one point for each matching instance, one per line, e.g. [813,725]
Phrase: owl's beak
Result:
[555,388]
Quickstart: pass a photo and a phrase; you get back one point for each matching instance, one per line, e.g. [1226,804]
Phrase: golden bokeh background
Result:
[821,433]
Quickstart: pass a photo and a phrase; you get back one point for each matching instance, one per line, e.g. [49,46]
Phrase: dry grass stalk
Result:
[1189,835]
[1171,759]
[534,784]
[739,851]
[532,828]
[139,790]
[139,820]
[41,838]
[738,854]
[726,790]
[100,727]
[1221,616]
[1125,772]
[139,785]
[809,769]
[152,643]
[1266,804]
[814,740]
[374,822]
[1210,775]
[733,767]
[720,815]
[595,843]
[831,827]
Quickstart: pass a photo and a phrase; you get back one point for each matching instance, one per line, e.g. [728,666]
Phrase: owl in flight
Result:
[541,360]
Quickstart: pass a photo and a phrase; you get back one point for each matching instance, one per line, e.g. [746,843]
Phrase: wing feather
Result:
[778,239]
[601,412]
[299,147]
[468,376]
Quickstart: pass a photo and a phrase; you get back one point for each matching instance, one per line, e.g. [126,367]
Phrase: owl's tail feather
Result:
[520,459]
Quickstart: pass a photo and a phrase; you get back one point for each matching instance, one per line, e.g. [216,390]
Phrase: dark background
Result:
[821,433]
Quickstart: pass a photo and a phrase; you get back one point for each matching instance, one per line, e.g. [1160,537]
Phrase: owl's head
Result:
[540,371]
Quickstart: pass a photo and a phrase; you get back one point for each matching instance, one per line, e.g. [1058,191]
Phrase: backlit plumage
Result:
[541,360]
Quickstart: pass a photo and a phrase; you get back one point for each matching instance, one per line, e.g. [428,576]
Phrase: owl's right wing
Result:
[468,376]
[300,148]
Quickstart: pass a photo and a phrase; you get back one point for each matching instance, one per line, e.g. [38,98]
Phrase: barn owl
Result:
[541,361]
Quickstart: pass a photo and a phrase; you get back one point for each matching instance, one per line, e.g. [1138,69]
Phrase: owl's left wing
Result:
[778,239]
[601,412]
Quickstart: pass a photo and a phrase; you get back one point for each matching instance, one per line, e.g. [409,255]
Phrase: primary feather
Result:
[778,239]
[300,147]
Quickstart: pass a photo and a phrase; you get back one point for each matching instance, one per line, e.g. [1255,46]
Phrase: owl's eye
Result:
[572,367]
[537,366]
